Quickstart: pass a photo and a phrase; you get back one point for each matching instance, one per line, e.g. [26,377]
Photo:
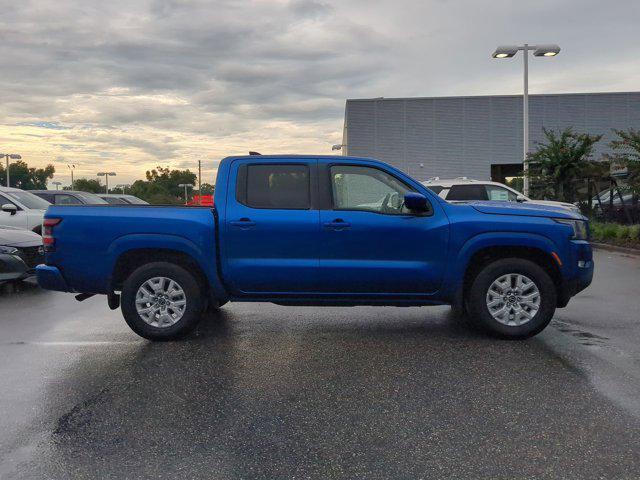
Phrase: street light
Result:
[57,184]
[122,186]
[106,176]
[12,156]
[339,146]
[508,51]
[185,185]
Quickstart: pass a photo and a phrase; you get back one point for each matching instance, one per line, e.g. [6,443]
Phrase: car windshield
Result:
[28,200]
[90,198]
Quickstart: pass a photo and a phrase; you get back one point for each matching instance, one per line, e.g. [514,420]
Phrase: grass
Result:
[625,235]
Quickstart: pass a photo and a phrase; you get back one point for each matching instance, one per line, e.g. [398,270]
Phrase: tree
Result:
[561,161]
[25,177]
[91,185]
[626,150]
[207,189]
[161,186]
[170,179]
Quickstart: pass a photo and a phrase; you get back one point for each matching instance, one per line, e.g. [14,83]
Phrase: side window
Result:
[4,200]
[67,200]
[274,186]
[467,192]
[367,189]
[500,194]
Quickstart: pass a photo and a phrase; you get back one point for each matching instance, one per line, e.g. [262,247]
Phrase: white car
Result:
[21,209]
[465,190]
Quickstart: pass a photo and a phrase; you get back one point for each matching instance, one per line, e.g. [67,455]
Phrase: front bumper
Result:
[50,278]
[13,268]
[584,267]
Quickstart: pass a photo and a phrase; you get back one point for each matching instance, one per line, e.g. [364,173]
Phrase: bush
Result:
[615,233]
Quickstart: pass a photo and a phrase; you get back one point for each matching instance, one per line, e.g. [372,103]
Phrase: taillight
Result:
[47,233]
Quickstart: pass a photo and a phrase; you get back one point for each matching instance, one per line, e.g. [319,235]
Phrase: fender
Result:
[206,260]
[458,266]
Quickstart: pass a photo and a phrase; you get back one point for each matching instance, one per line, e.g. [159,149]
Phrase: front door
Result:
[18,219]
[271,227]
[370,243]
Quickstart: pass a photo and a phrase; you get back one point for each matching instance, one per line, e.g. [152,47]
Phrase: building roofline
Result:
[490,96]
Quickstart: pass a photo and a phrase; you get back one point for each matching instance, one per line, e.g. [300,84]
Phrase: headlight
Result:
[580,228]
[8,250]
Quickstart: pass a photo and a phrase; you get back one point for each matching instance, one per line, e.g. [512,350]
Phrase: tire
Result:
[162,318]
[521,315]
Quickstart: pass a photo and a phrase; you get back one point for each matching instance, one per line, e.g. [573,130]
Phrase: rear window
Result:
[274,186]
[114,201]
[467,192]
[90,198]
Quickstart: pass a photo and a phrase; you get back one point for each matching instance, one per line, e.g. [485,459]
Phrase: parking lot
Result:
[262,391]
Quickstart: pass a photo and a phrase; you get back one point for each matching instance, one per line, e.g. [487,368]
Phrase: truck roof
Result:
[296,155]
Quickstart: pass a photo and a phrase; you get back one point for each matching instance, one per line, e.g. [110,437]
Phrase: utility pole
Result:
[199,182]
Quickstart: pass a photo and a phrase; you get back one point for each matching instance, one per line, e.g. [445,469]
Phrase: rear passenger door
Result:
[271,227]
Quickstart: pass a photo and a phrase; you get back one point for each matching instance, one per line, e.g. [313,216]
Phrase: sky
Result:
[127,85]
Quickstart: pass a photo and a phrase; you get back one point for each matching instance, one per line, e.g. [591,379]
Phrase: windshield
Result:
[90,198]
[28,200]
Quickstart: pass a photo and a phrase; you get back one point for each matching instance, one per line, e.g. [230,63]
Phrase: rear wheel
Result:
[512,298]
[161,301]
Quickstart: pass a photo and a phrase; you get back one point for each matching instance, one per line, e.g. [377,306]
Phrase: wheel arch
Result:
[487,255]
[482,249]
[130,260]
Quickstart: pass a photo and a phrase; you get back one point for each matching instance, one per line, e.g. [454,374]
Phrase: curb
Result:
[615,248]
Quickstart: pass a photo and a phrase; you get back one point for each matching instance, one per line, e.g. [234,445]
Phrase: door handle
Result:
[243,223]
[337,224]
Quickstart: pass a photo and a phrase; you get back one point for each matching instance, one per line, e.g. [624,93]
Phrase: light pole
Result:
[106,176]
[57,184]
[339,146]
[123,186]
[12,156]
[508,51]
[185,185]
[71,169]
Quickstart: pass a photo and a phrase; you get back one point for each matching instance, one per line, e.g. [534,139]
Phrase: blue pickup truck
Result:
[319,230]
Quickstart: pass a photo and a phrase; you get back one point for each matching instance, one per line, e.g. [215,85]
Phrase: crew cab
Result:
[319,230]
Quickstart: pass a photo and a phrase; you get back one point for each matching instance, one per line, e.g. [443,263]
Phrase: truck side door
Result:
[370,242]
[270,233]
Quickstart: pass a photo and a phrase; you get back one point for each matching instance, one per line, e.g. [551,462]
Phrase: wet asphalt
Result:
[262,391]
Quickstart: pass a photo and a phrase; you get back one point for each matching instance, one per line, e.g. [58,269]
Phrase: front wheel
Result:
[512,298]
[161,301]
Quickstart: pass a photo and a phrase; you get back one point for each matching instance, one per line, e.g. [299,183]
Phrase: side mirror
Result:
[521,198]
[9,208]
[416,202]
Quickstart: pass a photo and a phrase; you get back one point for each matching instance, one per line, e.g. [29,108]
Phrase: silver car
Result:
[465,190]
[22,209]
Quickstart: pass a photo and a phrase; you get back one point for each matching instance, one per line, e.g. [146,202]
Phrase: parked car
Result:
[463,190]
[69,197]
[22,209]
[122,199]
[314,230]
[20,251]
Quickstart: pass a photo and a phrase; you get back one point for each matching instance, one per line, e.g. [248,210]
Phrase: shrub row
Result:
[615,233]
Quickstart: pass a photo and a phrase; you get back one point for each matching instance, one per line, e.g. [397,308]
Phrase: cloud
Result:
[134,84]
